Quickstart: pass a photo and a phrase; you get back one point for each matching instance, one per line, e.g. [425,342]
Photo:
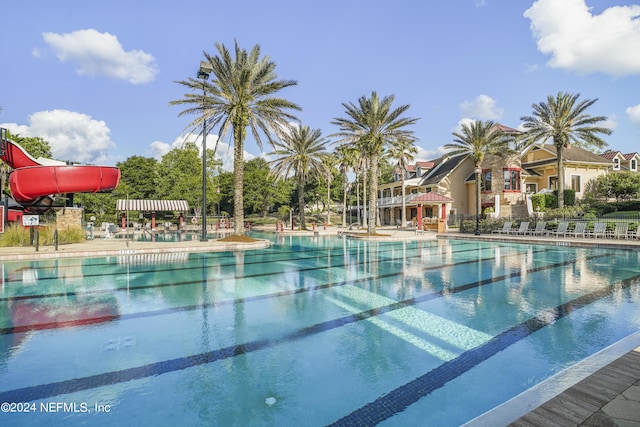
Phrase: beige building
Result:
[436,189]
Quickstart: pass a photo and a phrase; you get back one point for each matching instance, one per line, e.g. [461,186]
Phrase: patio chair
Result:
[635,235]
[524,227]
[579,230]
[563,228]
[599,230]
[506,227]
[540,230]
[621,230]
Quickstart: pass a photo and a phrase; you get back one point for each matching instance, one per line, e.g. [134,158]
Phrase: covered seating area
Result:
[127,205]
[436,222]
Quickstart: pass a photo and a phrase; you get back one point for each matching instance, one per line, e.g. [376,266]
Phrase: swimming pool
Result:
[311,331]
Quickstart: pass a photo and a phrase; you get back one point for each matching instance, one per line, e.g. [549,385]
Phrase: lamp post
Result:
[204,75]
[478,171]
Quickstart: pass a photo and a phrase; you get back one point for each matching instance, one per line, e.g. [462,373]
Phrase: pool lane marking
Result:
[192,282]
[74,385]
[399,399]
[87,321]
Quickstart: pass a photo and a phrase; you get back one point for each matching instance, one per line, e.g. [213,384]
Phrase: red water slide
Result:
[34,179]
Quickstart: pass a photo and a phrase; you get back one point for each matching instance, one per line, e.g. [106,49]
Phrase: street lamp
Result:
[204,75]
[478,171]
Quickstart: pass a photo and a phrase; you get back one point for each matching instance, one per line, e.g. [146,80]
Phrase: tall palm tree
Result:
[478,139]
[373,124]
[347,162]
[564,120]
[403,152]
[301,152]
[329,161]
[239,95]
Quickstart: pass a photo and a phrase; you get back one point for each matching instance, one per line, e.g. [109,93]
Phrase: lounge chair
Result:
[599,230]
[523,229]
[563,228]
[621,230]
[506,227]
[540,230]
[579,230]
[636,234]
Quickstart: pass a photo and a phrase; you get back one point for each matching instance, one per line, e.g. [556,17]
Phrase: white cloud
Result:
[72,136]
[580,41]
[480,3]
[482,107]
[634,114]
[101,54]
[224,151]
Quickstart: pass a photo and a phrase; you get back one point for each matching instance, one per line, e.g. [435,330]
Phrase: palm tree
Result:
[372,124]
[403,151]
[329,161]
[301,152]
[563,120]
[347,161]
[240,95]
[478,139]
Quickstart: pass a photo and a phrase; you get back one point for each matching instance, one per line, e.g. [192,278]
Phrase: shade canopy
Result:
[152,205]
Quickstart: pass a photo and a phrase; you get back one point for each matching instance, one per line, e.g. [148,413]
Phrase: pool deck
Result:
[606,396]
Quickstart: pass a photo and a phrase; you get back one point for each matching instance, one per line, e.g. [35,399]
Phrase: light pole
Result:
[478,171]
[204,75]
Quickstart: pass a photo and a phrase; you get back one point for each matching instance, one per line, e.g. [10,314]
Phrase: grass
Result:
[17,235]
[238,239]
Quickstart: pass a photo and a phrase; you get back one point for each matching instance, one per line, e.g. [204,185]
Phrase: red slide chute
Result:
[34,179]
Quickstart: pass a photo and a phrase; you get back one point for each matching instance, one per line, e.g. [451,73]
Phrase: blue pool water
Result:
[311,331]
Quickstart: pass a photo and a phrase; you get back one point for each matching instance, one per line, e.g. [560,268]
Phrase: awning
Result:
[152,205]
[431,197]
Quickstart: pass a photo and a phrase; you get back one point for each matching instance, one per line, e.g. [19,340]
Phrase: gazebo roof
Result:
[431,197]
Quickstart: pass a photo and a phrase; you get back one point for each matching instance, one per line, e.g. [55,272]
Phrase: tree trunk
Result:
[328,202]
[559,148]
[364,200]
[403,215]
[303,225]
[238,185]
[344,203]
[373,193]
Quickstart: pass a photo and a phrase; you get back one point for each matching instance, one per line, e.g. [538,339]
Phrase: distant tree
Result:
[477,140]
[138,177]
[262,191]
[300,153]
[564,121]
[347,162]
[240,95]
[403,152]
[179,176]
[372,125]
[623,185]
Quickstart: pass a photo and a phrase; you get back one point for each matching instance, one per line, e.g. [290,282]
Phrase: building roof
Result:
[431,197]
[571,154]
[443,166]
[611,154]
[152,205]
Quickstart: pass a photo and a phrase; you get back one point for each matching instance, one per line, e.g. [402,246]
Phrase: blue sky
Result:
[95,78]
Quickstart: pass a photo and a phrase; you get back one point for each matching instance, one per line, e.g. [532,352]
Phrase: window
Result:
[486,180]
[634,165]
[531,188]
[553,182]
[511,179]
[616,163]
[576,183]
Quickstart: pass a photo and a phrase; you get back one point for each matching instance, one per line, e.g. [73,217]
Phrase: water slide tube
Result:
[33,179]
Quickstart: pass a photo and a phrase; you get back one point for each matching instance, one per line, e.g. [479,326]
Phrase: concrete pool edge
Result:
[115,247]
[543,392]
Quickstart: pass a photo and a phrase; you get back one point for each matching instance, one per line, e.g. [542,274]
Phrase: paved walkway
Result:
[609,397]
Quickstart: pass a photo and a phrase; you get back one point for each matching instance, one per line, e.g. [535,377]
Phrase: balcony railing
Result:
[396,200]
